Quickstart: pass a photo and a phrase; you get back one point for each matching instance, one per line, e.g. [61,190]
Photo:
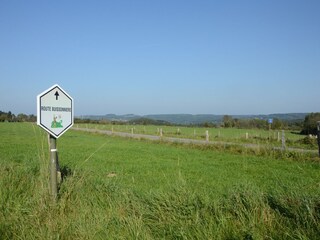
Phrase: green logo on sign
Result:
[55,123]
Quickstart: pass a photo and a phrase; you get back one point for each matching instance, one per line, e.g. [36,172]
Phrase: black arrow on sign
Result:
[57,95]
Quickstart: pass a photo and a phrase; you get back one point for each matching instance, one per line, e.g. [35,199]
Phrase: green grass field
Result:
[117,188]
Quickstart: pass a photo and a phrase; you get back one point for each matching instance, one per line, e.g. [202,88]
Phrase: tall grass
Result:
[90,209]
[126,189]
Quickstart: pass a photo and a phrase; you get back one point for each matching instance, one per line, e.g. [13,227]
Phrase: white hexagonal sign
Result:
[55,111]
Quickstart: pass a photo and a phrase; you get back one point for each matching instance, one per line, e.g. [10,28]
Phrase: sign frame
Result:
[40,114]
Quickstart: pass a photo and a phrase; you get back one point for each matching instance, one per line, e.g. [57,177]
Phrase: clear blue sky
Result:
[150,57]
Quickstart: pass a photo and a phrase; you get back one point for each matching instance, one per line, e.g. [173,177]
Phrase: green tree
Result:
[277,124]
[3,116]
[32,118]
[22,117]
[310,123]
[227,121]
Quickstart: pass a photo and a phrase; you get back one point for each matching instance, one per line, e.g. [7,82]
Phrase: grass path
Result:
[194,141]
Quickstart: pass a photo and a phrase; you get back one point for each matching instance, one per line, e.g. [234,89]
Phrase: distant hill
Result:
[111,117]
[186,119]
[148,121]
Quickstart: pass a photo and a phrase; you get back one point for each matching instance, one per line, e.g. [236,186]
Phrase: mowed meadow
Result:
[268,138]
[121,188]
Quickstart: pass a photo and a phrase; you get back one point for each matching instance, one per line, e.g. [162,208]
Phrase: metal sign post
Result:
[270,121]
[53,166]
[55,115]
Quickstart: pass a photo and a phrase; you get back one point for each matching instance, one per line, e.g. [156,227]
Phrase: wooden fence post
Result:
[283,140]
[318,136]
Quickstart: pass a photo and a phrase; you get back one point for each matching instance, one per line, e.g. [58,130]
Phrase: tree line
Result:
[251,123]
[21,117]
[308,126]
[228,122]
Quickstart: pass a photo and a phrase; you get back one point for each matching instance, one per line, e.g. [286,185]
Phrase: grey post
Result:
[207,136]
[53,167]
[318,136]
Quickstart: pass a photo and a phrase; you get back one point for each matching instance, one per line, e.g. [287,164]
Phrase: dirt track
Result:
[187,140]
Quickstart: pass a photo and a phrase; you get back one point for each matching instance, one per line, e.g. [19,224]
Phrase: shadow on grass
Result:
[66,172]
